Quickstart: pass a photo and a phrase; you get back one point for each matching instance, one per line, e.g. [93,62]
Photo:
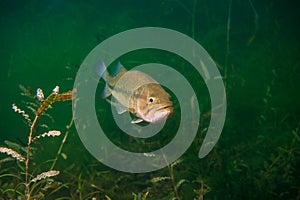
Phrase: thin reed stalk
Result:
[251,39]
[193,19]
[227,41]
[62,143]
[170,168]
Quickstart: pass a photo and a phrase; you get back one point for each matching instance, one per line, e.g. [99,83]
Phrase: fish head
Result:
[153,103]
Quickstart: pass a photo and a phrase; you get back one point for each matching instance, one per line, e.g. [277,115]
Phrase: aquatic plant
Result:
[256,159]
[140,196]
[31,187]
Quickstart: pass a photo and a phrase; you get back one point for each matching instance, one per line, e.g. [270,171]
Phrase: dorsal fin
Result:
[100,69]
[116,69]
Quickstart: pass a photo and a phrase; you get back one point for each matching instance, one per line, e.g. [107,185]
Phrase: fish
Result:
[136,92]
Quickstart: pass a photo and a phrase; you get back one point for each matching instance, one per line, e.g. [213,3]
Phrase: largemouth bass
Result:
[135,92]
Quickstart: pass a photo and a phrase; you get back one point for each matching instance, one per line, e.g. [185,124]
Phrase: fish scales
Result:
[126,83]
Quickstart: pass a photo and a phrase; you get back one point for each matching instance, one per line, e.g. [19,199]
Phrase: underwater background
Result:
[256,47]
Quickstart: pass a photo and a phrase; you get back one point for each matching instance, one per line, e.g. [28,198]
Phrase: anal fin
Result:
[106,92]
[138,120]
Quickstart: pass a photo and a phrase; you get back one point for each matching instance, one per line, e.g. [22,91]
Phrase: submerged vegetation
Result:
[233,170]
[34,185]
[257,156]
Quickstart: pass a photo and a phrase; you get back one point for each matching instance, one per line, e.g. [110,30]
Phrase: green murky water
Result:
[43,44]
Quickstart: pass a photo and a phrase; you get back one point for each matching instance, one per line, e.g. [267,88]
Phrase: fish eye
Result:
[151,100]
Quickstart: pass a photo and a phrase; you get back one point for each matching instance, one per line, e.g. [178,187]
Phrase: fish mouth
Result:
[159,113]
[167,109]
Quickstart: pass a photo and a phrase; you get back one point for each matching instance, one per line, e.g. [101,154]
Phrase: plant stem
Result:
[255,17]
[201,196]
[171,176]
[27,192]
[193,19]
[62,143]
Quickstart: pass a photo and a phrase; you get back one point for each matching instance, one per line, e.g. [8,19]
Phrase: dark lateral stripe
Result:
[118,90]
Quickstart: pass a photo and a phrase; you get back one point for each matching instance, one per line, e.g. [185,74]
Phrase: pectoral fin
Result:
[119,107]
[106,92]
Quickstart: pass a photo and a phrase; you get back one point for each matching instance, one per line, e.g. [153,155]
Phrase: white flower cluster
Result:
[40,94]
[56,90]
[22,112]
[45,175]
[53,133]
[159,179]
[12,153]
